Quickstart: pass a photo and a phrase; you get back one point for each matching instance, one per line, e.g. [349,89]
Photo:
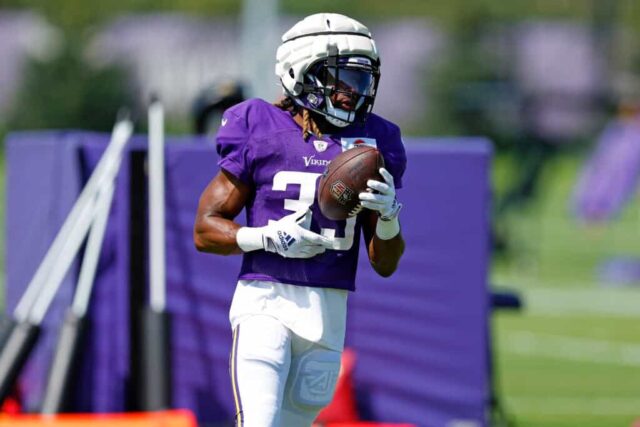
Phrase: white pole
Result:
[72,243]
[76,218]
[92,252]
[63,262]
[156,208]
[259,41]
[68,253]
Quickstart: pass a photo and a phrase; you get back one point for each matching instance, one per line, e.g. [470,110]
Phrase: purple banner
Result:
[420,336]
[42,184]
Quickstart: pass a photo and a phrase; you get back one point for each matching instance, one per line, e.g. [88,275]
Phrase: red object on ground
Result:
[178,418]
[367,424]
[11,406]
[13,403]
[343,406]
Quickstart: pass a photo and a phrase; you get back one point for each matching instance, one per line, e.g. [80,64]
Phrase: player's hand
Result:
[289,239]
[381,197]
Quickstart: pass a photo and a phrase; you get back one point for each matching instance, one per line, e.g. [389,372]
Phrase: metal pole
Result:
[56,395]
[72,245]
[156,207]
[121,133]
[259,41]
[155,334]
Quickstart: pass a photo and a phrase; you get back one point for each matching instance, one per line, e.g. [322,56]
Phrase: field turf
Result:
[571,357]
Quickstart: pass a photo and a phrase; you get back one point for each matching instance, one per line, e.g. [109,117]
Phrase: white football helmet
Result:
[329,63]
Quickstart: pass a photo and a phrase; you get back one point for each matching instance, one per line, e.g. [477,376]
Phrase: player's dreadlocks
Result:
[309,125]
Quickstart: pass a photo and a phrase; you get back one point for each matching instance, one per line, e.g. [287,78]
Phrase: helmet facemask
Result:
[341,88]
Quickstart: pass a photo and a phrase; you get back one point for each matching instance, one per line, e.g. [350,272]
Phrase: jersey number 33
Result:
[307,183]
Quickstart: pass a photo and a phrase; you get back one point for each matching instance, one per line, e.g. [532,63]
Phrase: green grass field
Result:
[572,356]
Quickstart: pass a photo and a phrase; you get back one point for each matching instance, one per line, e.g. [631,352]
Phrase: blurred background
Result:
[555,85]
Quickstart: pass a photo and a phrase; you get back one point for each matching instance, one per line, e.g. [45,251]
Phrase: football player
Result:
[288,312]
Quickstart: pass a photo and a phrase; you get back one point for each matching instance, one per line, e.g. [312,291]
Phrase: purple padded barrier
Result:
[420,336]
[62,171]
[41,188]
[102,384]
[200,290]
[109,370]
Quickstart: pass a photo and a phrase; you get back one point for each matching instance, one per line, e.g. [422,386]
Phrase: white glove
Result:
[285,237]
[381,197]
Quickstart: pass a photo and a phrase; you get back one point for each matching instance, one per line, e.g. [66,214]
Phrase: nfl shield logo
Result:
[320,145]
[341,192]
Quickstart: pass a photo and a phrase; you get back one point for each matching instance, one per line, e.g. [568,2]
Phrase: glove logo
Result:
[286,240]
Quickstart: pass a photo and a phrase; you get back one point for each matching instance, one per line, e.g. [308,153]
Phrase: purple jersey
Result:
[262,146]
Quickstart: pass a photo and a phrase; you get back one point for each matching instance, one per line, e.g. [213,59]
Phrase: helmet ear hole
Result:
[291,74]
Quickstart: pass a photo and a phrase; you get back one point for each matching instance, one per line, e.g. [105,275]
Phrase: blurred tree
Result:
[3,132]
[472,92]
[475,93]
[66,92]
[76,16]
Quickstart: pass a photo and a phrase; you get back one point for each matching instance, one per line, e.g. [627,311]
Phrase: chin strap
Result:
[337,122]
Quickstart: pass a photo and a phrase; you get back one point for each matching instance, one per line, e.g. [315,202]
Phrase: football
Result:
[346,177]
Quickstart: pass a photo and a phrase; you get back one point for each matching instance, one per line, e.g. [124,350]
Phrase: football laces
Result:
[356,210]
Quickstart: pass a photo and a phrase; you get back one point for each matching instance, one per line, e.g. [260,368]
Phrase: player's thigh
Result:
[259,366]
[310,386]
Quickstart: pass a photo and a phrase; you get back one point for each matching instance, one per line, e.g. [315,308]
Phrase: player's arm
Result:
[381,226]
[216,232]
[222,200]
[384,255]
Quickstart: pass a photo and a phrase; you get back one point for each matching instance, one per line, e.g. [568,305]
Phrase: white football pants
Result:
[279,379]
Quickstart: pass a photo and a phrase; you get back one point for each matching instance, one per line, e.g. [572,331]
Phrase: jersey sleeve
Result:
[232,145]
[395,156]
